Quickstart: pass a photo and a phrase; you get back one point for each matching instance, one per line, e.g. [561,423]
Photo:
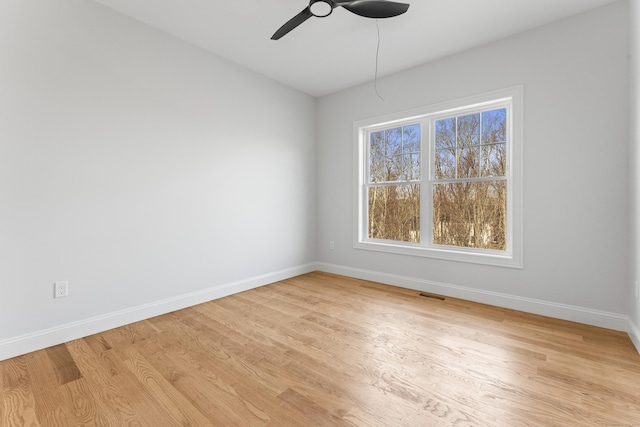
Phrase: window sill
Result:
[469,255]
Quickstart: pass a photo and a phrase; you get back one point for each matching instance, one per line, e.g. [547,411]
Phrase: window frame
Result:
[512,257]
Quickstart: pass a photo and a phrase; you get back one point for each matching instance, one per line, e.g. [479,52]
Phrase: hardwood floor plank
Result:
[180,409]
[51,403]
[313,410]
[212,397]
[98,343]
[63,364]
[227,348]
[18,402]
[112,394]
[86,407]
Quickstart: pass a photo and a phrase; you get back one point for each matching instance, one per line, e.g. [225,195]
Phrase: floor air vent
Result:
[432,296]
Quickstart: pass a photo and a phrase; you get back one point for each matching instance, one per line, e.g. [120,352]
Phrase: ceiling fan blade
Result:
[292,23]
[375,8]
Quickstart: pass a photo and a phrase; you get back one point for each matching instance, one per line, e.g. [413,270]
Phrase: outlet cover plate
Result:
[60,289]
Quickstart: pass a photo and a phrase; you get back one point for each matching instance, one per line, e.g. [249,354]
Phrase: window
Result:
[443,181]
[394,183]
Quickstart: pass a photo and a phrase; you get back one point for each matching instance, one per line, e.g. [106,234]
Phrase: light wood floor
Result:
[325,350]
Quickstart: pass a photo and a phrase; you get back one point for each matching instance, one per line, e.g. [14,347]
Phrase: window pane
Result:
[494,124]
[415,164]
[394,141]
[377,163]
[470,214]
[411,149]
[494,160]
[394,212]
[445,134]
[468,166]
[409,169]
[445,164]
[411,138]
[468,130]
[394,168]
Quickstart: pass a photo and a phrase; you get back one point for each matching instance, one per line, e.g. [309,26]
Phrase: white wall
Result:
[634,291]
[146,172]
[152,175]
[576,211]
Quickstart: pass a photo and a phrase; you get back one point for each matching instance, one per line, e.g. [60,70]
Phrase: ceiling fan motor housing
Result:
[320,8]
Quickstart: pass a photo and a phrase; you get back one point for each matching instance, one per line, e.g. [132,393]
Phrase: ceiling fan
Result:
[323,8]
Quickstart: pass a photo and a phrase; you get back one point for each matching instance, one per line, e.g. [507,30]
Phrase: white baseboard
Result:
[587,316]
[38,340]
[634,334]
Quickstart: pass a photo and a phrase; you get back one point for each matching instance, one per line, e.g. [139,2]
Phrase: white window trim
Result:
[513,256]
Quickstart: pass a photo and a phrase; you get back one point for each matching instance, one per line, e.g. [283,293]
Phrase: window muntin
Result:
[463,153]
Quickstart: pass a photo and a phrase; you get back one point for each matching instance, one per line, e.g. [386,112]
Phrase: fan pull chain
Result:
[375,77]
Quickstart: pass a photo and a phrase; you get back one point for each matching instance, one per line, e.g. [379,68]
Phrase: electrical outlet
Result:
[331,245]
[60,289]
[637,290]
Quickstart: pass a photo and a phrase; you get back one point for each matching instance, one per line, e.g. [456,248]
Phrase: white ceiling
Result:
[324,55]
